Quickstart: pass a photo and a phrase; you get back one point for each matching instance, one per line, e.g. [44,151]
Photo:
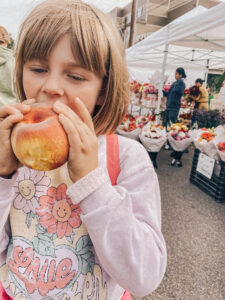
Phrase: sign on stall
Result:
[205,165]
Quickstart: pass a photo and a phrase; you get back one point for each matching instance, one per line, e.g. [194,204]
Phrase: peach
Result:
[39,140]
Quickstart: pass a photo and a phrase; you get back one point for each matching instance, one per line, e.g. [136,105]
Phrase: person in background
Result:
[203,98]
[174,98]
[6,69]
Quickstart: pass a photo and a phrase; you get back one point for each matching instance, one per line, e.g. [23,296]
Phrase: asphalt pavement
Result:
[193,225]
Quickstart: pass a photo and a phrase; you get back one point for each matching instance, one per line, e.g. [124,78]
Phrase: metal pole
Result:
[132,23]
[206,73]
[160,93]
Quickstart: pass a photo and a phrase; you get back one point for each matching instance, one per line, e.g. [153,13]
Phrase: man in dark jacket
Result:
[174,96]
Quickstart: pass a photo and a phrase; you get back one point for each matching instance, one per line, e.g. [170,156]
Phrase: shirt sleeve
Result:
[195,98]
[179,87]
[124,223]
[6,197]
[165,93]
[204,95]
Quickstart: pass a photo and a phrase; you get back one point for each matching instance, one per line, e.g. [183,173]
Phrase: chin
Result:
[39,140]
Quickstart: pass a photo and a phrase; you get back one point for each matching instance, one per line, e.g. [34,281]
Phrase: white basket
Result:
[179,145]
[134,134]
[153,145]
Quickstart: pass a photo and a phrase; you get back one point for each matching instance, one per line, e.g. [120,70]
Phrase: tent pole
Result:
[160,93]
[206,72]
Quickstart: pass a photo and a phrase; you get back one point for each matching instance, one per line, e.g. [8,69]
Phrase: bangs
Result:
[53,22]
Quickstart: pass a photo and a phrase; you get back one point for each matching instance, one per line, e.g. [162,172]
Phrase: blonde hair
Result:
[95,43]
[4,35]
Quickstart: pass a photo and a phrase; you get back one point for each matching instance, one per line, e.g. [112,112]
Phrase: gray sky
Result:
[12,12]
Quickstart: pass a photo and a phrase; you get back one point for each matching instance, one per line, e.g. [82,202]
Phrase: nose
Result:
[52,86]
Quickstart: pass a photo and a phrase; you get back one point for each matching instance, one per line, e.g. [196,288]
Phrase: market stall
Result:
[195,41]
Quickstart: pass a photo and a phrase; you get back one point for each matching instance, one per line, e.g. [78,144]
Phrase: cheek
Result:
[89,97]
[27,85]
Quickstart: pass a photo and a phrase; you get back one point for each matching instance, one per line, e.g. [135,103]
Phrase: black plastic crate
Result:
[214,187]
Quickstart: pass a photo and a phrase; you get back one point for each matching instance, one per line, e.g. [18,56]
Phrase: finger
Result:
[81,109]
[69,113]
[29,101]
[8,110]
[11,120]
[70,130]
[15,108]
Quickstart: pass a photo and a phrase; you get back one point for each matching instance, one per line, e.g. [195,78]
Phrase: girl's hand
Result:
[10,115]
[83,153]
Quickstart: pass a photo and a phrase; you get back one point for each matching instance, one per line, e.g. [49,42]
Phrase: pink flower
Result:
[57,212]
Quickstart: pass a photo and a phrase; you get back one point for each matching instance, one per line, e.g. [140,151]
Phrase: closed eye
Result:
[76,77]
[38,70]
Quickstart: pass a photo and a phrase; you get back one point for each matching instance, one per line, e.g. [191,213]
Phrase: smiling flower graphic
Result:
[30,185]
[57,212]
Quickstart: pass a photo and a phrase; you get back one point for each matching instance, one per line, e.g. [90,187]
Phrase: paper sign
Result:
[205,165]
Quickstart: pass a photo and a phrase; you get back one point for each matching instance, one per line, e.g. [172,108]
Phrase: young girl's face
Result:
[61,78]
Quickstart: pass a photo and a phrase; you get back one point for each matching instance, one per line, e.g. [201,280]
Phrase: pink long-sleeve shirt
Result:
[83,240]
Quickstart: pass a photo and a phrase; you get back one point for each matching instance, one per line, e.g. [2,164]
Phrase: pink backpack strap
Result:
[3,295]
[113,166]
[113,157]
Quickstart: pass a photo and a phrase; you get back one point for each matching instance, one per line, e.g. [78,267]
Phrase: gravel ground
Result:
[193,225]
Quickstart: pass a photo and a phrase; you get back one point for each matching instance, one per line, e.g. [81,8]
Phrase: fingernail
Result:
[57,104]
[77,99]
[25,106]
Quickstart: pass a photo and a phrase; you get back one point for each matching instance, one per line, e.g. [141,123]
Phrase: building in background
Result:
[152,15]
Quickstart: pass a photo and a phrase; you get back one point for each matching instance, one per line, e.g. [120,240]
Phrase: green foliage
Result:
[215,82]
[219,82]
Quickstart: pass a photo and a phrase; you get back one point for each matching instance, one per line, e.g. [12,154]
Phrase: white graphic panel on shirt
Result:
[50,254]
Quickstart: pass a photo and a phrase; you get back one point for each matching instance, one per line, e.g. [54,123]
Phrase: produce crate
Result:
[214,187]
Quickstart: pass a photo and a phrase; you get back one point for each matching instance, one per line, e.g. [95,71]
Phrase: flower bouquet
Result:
[221,147]
[130,127]
[141,121]
[137,90]
[204,141]
[219,142]
[153,137]
[149,95]
[221,150]
[166,87]
[179,137]
[206,136]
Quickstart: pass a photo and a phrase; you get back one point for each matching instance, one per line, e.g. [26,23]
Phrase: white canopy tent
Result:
[195,41]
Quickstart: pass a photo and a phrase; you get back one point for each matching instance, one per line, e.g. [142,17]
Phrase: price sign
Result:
[205,165]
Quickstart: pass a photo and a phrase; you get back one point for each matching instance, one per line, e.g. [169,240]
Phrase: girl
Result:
[108,240]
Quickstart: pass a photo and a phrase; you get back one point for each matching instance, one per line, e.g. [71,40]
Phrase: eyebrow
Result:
[69,63]
[74,65]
